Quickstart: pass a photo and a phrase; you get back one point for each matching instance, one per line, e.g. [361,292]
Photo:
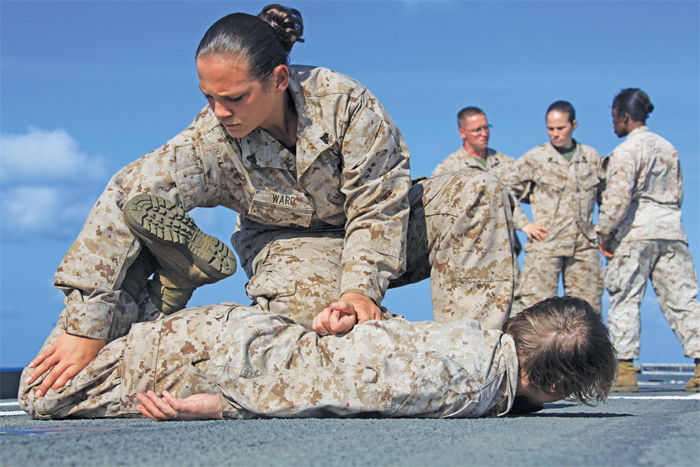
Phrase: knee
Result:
[40,408]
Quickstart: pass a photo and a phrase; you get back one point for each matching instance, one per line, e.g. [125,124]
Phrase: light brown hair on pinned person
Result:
[564,349]
[264,40]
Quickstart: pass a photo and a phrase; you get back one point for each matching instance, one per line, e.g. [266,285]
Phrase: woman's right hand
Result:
[339,318]
[68,355]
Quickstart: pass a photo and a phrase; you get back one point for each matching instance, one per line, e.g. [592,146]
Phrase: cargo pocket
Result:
[619,269]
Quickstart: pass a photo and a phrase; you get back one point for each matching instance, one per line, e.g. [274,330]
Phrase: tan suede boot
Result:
[626,379]
[694,384]
[187,257]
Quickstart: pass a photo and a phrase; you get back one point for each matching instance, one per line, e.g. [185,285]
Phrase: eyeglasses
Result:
[476,131]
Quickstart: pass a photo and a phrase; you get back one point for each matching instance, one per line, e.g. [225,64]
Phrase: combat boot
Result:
[626,379]
[187,257]
[694,384]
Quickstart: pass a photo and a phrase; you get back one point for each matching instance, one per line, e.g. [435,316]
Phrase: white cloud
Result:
[48,185]
[41,155]
[29,212]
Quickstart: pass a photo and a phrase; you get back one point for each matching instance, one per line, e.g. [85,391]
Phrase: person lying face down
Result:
[233,361]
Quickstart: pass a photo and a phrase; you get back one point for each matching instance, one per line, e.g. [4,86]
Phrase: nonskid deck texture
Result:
[660,425]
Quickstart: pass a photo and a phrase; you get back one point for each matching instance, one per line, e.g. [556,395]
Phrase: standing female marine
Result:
[641,234]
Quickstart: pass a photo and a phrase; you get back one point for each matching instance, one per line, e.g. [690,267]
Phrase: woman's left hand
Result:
[196,407]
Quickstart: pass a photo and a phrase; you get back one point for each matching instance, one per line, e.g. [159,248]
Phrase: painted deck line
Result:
[5,404]
[12,412]
[689,397]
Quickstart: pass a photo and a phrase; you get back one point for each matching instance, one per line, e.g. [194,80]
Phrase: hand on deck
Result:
[195,407]
[68,355]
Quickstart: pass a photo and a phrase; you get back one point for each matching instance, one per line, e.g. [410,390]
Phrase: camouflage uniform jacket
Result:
[264,364]
[351,169]
[497,164]
[644,190]
[562,195]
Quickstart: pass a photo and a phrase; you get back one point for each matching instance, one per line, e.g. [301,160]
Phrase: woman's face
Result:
[240,102]
[560,129]
[619,124]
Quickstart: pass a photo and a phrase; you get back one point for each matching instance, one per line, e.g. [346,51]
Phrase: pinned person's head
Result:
[564,351]
[561,123]
[630,110]
[242,65]
[474,128]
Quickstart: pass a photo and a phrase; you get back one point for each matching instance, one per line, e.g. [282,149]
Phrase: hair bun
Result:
[649,108]
[286,22]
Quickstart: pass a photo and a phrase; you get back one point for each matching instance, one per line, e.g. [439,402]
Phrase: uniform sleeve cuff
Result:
[366,281]
[88,319]
[228,409]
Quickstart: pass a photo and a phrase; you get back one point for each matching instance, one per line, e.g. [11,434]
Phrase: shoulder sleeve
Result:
[616,196]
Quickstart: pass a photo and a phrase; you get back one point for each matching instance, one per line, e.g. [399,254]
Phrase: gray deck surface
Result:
[660,425]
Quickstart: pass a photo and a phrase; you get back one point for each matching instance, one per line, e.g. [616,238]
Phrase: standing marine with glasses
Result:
[560,179]
[475,131]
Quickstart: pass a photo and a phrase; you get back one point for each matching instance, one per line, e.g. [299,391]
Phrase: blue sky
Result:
[88,86]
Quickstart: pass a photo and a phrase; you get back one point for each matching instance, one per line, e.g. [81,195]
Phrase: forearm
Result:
[376,182]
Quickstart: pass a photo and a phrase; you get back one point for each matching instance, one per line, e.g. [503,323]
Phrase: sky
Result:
[88,86]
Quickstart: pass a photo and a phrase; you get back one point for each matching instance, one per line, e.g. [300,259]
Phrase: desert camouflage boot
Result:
[694,384]
[626,379]
[187,257]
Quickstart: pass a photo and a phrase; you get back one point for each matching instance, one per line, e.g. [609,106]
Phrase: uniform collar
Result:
[559,159]
[262,150]
[471,160]
[641,129]
[313,136]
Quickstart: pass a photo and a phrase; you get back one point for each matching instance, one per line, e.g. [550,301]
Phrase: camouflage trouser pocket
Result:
[619,269]
[298,276]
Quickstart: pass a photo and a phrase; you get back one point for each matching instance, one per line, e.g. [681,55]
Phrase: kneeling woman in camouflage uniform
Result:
[231,361]
[319,175]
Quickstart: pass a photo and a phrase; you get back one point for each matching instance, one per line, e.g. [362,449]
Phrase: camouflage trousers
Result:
[582,277]
[264,364]
[670,267]
[460,236]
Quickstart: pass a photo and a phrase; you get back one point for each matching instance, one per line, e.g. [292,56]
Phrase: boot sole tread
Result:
[161,221]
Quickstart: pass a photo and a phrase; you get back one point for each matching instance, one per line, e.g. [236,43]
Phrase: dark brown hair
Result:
[264,40]
[564,349]
[563,106]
